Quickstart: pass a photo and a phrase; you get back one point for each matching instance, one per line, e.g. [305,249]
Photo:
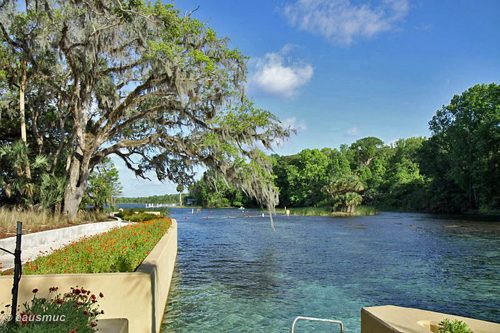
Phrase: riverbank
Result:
[327,211]
[471,213]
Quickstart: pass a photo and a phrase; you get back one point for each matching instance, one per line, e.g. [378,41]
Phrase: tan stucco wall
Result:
[390,318]
[140,296]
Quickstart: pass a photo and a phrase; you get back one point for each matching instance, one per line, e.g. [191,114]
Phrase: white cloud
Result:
[343,22]
[279,76]
[294,124]
[353,131]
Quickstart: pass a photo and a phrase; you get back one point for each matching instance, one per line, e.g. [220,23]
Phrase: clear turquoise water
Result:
[237,275]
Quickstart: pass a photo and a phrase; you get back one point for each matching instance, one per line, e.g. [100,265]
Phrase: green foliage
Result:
[364,150]
[104,186]
[457,326]
[462,156]
[118,250]
[75,311]
[42,188]
[213,192]
[344,190]
[299,176]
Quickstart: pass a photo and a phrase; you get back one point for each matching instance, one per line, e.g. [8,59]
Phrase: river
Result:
[236,274]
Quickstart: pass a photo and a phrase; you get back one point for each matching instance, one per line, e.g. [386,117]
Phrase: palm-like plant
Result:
[13,180]
[343,190]
[180,189]
[352,199]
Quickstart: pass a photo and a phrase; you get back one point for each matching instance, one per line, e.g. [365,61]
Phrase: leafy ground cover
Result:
[456,326]
[118,250]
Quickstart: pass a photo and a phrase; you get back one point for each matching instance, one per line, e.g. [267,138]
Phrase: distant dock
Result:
[160,205]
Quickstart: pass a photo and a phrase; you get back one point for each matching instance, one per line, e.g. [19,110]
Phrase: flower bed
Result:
[119,250]
[76,311]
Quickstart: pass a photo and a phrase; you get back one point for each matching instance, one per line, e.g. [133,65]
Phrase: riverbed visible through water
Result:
[238,275]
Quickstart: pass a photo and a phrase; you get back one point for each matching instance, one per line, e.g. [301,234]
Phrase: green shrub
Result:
[141,217]
[457,326]
[133,215]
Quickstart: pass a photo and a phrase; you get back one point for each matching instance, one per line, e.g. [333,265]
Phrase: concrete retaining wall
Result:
[390,319]
[140,296]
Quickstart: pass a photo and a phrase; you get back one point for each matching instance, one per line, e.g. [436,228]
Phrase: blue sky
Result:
[340,70]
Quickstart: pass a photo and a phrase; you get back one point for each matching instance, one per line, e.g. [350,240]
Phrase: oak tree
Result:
[144,82]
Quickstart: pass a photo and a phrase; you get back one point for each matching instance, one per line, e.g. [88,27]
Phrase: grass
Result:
[327,211]
[366,210]
[34,221]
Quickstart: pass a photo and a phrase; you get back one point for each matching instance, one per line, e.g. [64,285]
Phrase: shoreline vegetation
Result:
[327,211]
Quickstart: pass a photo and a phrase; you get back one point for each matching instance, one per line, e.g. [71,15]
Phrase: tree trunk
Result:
[22,116]
[79,174]
[180,198]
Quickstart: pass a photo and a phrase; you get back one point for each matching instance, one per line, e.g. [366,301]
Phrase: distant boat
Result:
[241,208]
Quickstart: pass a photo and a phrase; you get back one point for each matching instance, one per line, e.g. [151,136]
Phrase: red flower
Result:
[77,291]
[85,312]
[93,324]
[53,288]
[35,291]
[102,311]
[93,296]
[101,295]
[72,331]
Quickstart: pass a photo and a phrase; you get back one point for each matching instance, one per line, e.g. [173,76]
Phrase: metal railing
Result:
[17,270]
[292,329]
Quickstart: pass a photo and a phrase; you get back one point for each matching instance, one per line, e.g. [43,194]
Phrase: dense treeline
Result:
[212,191]
[154,199]
[455,170]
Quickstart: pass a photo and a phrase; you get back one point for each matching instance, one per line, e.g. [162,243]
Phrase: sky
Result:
[341,70]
